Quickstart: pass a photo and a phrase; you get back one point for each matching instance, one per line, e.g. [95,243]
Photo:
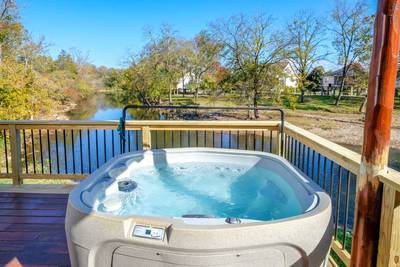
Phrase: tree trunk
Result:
[255,105]
[344,74]
[248,105]
[256,97]
[362,106]
[302,96]
[196,95]
[170,95]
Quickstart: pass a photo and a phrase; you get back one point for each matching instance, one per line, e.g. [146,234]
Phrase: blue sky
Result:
[107,30]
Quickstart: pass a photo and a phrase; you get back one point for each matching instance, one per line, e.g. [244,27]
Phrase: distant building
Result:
[183,83]
[289,79]
[333,79]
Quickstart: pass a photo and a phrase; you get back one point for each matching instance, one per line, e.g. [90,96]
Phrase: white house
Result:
[328,80]
[183,83]
[289,79]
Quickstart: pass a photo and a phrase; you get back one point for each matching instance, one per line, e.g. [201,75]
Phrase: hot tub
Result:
[198,207]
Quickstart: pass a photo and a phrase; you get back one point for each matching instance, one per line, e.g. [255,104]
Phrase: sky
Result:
[108,30]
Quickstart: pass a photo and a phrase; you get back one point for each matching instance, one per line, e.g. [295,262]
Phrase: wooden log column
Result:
[381,90]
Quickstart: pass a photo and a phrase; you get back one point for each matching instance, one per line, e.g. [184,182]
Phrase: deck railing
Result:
[335,169]
[72,149]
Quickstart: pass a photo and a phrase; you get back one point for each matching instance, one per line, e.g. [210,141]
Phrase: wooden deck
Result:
[32,230]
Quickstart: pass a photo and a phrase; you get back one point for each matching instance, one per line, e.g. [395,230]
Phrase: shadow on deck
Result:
[32,230]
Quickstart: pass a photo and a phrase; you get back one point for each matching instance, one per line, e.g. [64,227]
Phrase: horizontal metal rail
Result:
[196,108]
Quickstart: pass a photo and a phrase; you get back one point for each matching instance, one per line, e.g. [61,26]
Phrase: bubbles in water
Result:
[220,190]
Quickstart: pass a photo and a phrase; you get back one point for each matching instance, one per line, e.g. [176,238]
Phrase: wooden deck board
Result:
[31,234]
[32,229]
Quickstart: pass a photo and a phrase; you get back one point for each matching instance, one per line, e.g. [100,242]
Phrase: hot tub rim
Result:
[322,198]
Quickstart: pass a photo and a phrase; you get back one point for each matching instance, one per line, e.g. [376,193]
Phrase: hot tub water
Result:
[211,189]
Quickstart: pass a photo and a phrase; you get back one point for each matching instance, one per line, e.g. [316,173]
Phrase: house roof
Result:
[338,72]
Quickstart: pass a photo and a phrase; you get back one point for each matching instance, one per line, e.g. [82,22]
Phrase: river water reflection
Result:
[102,107]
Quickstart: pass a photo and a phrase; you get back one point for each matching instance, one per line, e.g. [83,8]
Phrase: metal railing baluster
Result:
[65,152]
[81,149]
[88,146]
[319,168]
[97,147]
[57,155]
[337,208]
[5,149]
[303,157]
[25,152]
[346,216]
[112,143]
[49,149]
[129,141]
[73,152]
[41,151]
[33,151]
[105,145]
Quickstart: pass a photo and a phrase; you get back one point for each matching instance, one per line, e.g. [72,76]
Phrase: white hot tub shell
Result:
[100,239]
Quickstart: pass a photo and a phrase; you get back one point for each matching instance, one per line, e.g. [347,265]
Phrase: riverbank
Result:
[342,124]
[339,128]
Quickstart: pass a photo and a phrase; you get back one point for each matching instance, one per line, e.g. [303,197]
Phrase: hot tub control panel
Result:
[148,232]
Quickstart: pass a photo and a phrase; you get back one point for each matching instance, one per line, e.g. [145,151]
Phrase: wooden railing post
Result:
[276,142]
[146,138]
[376,144]
[389,235]
[15,143]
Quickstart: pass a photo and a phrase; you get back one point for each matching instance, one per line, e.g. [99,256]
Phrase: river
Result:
[102,107]
[99,107]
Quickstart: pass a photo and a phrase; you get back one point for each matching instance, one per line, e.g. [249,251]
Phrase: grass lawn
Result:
[327,104]
[311,103]
[223,100]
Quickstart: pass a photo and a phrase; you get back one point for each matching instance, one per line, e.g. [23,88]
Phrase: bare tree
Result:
[30,49]
[352,30]
[80,58]
[7,9]
[251,49]
[206,54]
[8,24]
[185,60]
[306,46]
[163,49]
